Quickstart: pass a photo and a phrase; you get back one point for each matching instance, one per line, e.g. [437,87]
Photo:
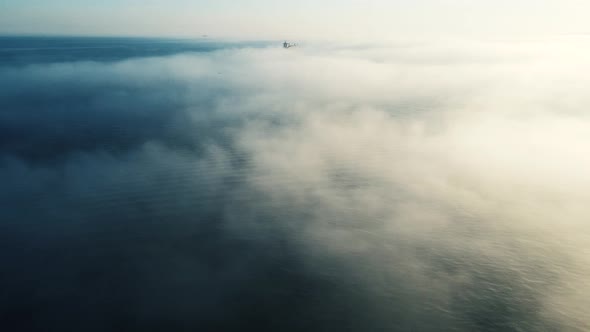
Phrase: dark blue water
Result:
[130,200]
[15,51]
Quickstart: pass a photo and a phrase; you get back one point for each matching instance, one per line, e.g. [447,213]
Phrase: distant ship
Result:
[288,45]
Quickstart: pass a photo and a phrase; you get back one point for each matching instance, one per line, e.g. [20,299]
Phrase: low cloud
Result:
[419,186]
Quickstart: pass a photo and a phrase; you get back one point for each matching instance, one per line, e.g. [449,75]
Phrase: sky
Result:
[306,19]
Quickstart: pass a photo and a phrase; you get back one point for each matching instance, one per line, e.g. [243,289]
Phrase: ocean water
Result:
[196,185]
[22,51]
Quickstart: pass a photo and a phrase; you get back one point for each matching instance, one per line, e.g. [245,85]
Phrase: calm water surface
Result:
[149,186]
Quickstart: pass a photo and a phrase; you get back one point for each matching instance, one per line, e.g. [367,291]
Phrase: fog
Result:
[426,186]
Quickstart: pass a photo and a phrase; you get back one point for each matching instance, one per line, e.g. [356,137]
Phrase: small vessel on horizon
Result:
[288,45]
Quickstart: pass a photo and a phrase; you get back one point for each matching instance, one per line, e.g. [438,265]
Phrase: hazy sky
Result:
[259,19]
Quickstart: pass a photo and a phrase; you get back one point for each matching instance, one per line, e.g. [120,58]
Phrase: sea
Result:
[152,184]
